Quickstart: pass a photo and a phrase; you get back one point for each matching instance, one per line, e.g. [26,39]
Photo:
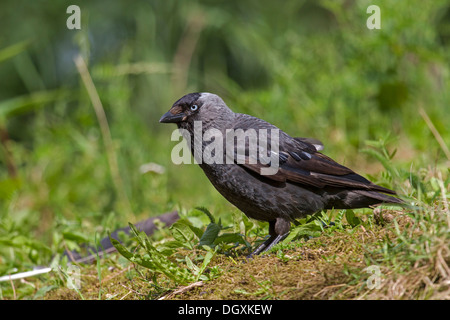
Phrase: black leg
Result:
[275,241]
[278,230]
[268,244]
[261,247]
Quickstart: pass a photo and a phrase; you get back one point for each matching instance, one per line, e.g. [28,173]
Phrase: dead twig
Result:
[183,289]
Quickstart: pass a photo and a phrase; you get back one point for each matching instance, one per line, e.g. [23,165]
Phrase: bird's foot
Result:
[327,225]
[268,244]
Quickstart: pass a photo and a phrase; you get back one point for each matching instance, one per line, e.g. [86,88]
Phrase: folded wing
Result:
[299,161]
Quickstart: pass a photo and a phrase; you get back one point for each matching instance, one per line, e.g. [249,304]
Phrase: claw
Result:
[268,244]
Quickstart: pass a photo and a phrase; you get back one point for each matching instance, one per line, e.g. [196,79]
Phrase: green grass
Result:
[378,99]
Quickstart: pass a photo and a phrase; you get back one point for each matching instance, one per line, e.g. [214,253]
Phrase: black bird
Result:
[305,181]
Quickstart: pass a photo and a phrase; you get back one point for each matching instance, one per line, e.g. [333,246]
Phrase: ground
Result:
[330,266]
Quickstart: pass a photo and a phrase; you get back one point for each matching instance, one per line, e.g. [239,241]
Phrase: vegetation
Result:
[74,167]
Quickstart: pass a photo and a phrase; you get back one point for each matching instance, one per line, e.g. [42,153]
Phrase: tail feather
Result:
[382,198]
[353,199]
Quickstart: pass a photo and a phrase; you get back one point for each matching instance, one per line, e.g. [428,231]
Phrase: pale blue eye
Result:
[194,107]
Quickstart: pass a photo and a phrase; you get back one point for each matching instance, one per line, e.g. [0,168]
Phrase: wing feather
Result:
[301,162]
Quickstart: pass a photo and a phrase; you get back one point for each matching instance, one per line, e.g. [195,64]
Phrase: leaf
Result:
[230,238]
[206,211]
[206,261]
[40,294]
[169,247]
[210,234]
[135,258]
[340,216]
[183,233]
[197,231]
[380,157]
[310,229]
[140,236]
[352,219]
[13,50]
[239,220]
[191,265]
[75,236]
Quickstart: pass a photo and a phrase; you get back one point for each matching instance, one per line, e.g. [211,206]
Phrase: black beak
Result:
[168,117]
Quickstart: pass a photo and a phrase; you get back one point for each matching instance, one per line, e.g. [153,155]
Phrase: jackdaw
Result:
[304,180]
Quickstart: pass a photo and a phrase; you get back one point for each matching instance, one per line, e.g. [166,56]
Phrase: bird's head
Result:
[204,106]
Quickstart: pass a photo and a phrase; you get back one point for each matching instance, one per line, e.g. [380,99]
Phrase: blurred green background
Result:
[312,68]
